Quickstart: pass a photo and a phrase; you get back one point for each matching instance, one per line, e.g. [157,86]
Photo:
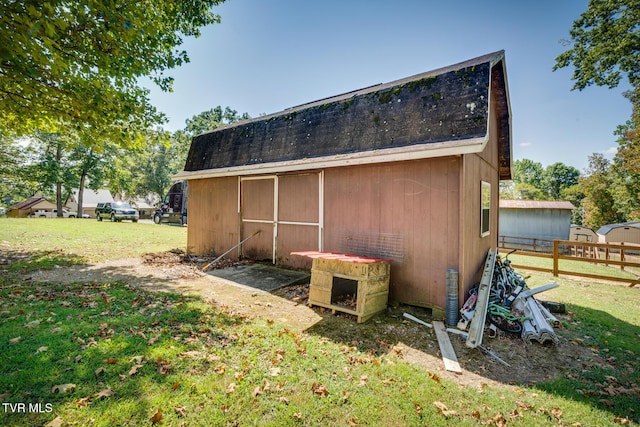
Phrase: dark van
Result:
[173,209]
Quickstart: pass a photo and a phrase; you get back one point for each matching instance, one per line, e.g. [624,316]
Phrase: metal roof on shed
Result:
[536,204]
[607,228]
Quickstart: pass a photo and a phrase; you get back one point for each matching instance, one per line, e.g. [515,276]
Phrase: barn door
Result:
[299,224]
[258,213]
[287,209]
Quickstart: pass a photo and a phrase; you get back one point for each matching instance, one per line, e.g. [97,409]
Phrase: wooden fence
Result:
[593,253]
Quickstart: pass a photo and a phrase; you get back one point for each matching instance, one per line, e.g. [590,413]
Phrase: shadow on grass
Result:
[94,350]
[595,362]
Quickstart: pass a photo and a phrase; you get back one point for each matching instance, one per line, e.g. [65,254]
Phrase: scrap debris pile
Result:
[510,306]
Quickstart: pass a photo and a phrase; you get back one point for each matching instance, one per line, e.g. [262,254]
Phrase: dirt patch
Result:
[388,332]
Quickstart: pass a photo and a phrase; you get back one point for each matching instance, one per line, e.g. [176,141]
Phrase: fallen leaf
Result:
[434,376]
[100,371]
[274,372]
[231,388]
[134,369]
[42,349]
[353,422]
[441,406]
[15,340]
[257,391]
[283,399]
[319,389]
[83,401]
[363,380]
[56,330]
[418,408]
[180,410]
[63,388]
[622,421]
[524,406]
[56,422]
[220,369]
[157,417]
[136,359]
[104,393]
[32,324]
[175,386]
[297,415]
[110,361]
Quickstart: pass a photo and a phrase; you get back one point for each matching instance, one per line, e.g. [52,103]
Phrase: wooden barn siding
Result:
[213,215]
[476,168]
[416,204]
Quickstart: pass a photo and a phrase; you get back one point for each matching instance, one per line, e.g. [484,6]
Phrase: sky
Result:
[269,55]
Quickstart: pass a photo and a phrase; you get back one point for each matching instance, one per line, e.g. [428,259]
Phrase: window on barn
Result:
[485,209]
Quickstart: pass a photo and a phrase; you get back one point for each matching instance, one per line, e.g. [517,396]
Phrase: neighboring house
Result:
[535,219]
[407,171]
[145,209]
[30,207]
[578,233]
[90,199]
[627,232]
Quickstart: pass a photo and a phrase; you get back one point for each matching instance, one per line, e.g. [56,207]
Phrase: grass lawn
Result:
[106,354]
[87,238]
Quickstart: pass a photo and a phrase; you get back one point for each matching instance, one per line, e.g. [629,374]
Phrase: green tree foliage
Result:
[558,177]
[14,186]
[598,187]
[150,167]
[76,64]
[527,171]
[604,44]
[605,49]
[533,182]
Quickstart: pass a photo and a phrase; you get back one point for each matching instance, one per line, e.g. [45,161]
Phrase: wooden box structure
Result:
[336,277]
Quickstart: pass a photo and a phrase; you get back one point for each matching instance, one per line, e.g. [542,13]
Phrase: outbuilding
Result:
[579,233]
[627,232]
[90,200]
[29,207]
[406,171]
[521,221]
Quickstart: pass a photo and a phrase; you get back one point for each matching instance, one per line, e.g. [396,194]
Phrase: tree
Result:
[604,49]
[14,185]
[604,45]
[76,64]
[528,172]
[599,201]
[558,177]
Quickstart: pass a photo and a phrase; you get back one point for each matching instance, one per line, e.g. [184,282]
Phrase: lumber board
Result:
[448,354]
[476,329]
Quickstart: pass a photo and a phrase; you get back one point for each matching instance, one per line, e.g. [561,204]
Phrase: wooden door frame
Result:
[276,221]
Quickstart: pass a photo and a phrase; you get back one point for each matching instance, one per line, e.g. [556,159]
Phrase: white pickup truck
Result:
[53,214]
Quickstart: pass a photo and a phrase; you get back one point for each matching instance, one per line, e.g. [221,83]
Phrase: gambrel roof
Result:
[438,113]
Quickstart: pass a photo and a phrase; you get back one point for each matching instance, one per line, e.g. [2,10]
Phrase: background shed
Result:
[29,206]
[627,232]
[407,171]
[578,233]
[535,219]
